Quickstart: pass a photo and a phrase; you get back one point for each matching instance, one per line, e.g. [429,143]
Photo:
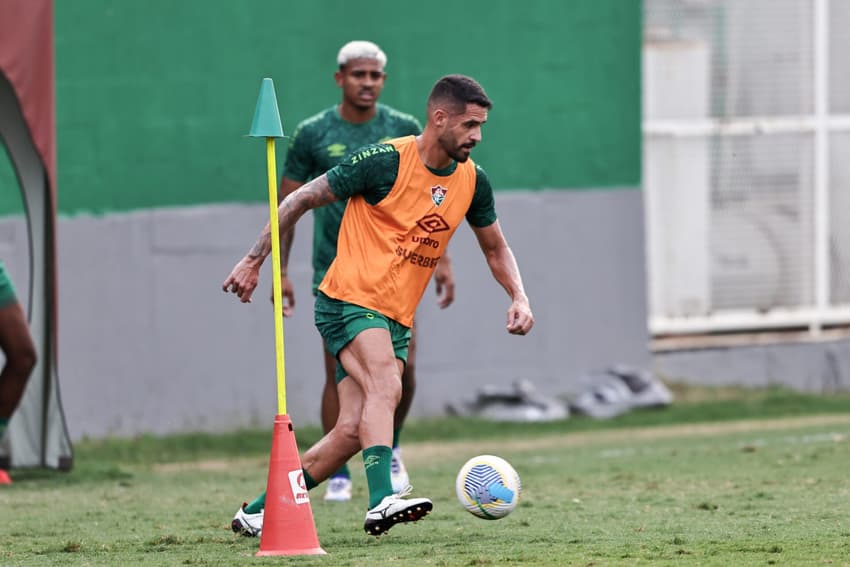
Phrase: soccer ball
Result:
[488,487]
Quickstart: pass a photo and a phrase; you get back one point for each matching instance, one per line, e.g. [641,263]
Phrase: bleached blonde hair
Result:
[360,50]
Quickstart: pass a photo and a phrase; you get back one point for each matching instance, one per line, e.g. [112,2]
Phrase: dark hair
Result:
[456,91]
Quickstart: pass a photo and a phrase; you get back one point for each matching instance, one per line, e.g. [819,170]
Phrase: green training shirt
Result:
[372,172]
[7,288]
[321,142]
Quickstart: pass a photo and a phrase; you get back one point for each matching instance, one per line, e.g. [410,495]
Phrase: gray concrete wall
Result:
[820,367]
[148,342]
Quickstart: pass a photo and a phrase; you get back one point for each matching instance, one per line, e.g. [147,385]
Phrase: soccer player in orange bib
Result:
[405,197]
[316,145]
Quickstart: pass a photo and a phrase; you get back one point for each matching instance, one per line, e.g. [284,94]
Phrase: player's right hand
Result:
[243,279]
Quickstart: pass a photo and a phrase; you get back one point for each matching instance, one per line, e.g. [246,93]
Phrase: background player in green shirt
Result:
[19,351]
[318,144]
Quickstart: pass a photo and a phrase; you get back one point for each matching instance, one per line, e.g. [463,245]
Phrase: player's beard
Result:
[455,150]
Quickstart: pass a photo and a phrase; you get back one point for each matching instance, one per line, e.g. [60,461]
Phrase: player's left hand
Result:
[287,295]
[445,281]
[520,317]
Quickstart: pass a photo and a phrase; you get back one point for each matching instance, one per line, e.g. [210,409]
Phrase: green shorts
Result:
[7,289]
[339,322]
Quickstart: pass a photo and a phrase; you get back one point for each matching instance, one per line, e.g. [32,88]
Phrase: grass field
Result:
[721,478]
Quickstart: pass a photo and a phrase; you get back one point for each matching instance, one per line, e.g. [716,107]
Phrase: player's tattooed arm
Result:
[244,276]
[287,186]
[311,195]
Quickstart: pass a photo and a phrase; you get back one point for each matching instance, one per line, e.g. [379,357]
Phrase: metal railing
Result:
[745,211]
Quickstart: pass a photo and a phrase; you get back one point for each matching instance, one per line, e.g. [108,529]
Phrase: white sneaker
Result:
[398,473]
[394,509]
[248,525]
[339,489]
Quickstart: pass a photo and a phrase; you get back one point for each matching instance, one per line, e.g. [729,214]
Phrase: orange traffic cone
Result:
[288,526]
[4,477]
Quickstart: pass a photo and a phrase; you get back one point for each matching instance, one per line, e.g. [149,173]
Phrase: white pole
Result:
[821,173]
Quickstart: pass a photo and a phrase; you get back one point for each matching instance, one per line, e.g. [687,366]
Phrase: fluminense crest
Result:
[438,193]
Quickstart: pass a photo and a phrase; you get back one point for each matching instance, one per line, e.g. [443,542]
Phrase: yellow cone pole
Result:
[288,525]
[266,124]
[277,292]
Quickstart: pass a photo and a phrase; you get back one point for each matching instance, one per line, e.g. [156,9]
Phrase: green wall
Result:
[154,97]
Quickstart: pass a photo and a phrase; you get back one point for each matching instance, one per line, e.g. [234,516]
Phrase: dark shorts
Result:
[339,322]
[7,289]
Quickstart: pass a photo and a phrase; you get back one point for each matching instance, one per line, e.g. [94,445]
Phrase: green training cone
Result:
[266,122]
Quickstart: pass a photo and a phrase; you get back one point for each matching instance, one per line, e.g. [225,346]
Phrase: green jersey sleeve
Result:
[370,171]
[482,210]
[414,128]
[400,124]
[299,164]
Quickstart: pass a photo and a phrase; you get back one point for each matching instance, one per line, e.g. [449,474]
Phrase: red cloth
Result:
[26,58]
